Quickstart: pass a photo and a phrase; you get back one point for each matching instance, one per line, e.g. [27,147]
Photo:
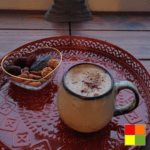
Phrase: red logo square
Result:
[129,129]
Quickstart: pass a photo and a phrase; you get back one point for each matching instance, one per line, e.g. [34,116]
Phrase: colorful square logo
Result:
[135,135]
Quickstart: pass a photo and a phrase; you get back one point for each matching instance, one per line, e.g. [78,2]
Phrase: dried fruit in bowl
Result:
[31,59]
[40,63]
[21,62]
[30,70]
[14,70]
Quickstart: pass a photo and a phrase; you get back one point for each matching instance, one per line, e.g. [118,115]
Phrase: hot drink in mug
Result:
[86,97]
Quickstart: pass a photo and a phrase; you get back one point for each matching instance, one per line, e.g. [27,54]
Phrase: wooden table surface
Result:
[131,32]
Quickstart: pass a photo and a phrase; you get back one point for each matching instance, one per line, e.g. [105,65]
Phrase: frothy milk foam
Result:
[88,80]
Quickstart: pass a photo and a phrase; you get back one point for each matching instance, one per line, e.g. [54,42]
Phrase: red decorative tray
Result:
[30,120]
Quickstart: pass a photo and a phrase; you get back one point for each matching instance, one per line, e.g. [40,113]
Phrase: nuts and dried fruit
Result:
[53,63]
[26,72]
[46,71]
[25,69]
[36,72]
[35,84]
[32,68]
[33,76]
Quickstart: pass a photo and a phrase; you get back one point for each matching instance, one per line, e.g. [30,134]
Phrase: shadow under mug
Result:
[90,114]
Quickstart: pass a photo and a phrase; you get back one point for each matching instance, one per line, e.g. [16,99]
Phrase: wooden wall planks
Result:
[146,64]
[28,21]
[11,39]
[115,21]
[135,42]
[101,21]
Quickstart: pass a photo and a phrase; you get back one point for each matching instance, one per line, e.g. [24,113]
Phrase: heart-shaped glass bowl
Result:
[39,52]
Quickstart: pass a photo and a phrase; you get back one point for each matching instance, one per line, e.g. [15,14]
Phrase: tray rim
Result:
[88,38]
[67,36]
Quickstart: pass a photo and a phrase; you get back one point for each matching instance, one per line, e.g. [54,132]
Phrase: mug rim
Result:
[87,97]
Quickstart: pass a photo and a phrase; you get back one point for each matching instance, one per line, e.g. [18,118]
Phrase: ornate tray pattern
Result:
[30,120]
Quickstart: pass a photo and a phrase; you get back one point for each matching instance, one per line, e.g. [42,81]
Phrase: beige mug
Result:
[90,114]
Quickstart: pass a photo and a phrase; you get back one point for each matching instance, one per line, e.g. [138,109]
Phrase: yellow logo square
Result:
[129,139]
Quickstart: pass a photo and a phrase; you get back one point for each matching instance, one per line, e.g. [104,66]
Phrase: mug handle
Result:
[131,106]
